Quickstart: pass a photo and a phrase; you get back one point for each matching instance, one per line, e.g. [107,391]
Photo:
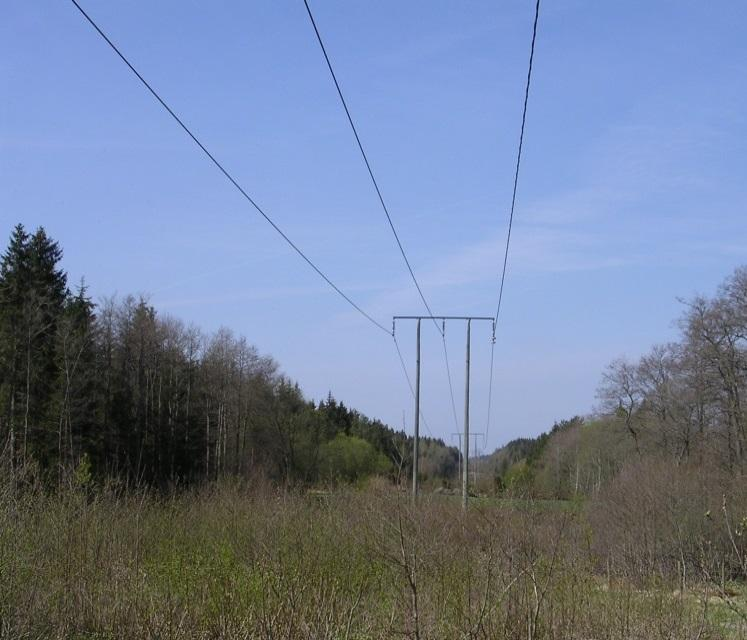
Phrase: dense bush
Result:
[351,458]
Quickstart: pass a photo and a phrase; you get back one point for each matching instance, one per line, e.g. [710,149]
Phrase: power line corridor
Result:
[414,389]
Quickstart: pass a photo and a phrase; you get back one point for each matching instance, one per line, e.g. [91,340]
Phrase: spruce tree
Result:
[77,389]
[14,280]
[44,303]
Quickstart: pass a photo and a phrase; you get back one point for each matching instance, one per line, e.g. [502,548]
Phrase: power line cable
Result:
[448,376]
[365,159]
[513,206]
[518,158]
[409,382]
[225,172]
[381,197]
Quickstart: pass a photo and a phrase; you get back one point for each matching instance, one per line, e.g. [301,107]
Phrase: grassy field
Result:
[236,562]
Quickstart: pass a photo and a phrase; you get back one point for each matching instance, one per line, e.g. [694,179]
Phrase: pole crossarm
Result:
[489,318]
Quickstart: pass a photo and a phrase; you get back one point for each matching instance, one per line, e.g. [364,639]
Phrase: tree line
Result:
[136,395]
[683,403]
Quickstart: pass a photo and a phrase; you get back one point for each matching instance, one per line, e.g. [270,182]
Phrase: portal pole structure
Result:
[465,443]
[416,439]
[477,453]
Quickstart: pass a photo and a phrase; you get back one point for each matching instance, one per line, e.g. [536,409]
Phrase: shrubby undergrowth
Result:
[247,560]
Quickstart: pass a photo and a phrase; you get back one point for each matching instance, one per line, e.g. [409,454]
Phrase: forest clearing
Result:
[374,320]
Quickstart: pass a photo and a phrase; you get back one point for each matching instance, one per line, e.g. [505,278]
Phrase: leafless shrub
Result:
[247,560]
[663,520]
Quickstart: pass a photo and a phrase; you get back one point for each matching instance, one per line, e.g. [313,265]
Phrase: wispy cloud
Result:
[579,228]
[425,48]
[254,294]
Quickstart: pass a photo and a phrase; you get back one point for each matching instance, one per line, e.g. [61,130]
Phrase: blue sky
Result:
[632,190]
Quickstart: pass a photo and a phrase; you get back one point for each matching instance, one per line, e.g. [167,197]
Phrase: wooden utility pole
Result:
[416,439]
[465,466]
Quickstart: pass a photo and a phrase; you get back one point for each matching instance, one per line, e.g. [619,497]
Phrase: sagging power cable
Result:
[225,172]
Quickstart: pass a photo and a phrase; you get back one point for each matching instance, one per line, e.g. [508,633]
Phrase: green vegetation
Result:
[351,458]
[682,405]
[156,482]
[250,561]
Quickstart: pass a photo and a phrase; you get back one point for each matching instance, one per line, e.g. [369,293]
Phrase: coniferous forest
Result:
[142,397]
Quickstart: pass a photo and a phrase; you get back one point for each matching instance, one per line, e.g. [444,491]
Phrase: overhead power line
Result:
[518,158]
[448,376]
[225,172]
[409,381]
[513,206]
[365,159]
[382,202]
